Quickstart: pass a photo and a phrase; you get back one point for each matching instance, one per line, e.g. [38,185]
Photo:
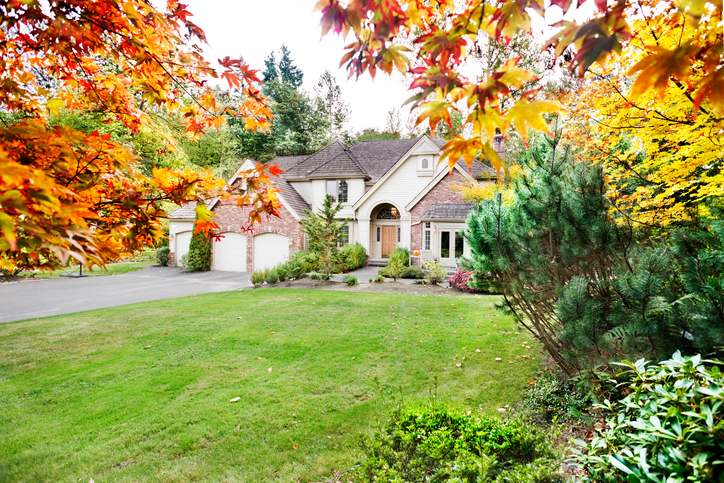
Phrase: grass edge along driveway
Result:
[142,392]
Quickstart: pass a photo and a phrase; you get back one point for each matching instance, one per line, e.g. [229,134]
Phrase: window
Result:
[388,213]
[379,233]
[427,238]
[305,243]
[399,234]
[344,236]
[342,192]
[338,190]
[332,189]
[425,164]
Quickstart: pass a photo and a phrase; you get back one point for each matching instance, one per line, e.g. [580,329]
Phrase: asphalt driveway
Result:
[42,298]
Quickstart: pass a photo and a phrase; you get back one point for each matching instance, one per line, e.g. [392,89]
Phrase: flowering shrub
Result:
[460,280]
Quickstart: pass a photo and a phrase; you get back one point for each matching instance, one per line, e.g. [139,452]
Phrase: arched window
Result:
[388,213]
[425,164]
[342,192]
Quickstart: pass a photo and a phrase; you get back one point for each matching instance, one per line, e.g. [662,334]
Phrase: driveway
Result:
[42,298]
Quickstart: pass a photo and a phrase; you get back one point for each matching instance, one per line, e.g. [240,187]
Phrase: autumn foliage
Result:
[688,57]
[67,194]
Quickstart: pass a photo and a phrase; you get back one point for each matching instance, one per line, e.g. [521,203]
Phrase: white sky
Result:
[253,28]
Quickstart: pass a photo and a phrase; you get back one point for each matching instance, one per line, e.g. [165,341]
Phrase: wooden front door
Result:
[389,240]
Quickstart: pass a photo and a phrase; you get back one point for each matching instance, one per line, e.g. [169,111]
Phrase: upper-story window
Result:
[425,164]
[337,190]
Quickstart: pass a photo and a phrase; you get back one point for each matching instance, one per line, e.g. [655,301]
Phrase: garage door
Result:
[230,253]
[270,249]
[183,240]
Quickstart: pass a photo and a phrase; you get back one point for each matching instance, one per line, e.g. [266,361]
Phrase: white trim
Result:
[433,183]
[394,168]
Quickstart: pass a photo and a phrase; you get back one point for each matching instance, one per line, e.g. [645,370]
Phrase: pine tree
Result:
[324,231]
[290,74]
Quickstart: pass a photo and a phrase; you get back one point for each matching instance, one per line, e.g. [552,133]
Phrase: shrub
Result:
[257,278]
[351,257]
[350,280]
[272,276]
[378,279]
[393,269]
[460,280]
[283,271]
[401,255]
[436,272]
[198,258]
[669,428]
[555,397]
[438,444]
[162,255]
[412,272]
[319,276]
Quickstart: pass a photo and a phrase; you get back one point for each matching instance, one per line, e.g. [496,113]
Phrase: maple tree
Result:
[445,31]
[67,194]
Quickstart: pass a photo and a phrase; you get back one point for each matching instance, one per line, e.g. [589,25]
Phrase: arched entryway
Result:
[385,230]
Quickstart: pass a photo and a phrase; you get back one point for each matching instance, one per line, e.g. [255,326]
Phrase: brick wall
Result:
[231,218]
[441,193]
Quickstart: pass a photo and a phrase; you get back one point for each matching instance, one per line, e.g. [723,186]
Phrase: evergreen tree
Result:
[332,107]
[198,258]
[290,74]
[324,232]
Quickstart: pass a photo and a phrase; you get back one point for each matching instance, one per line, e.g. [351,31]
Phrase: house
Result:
[394,193]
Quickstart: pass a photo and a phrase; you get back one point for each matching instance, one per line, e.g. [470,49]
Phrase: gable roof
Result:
[435,180]
[290,197]
[186,212]
[378,157]
[480,169]
[334,160]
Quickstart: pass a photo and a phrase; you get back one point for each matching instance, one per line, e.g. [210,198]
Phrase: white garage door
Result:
[230,253]
[183,240]
[270,249]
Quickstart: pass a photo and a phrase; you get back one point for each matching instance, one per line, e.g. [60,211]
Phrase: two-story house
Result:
[393,192]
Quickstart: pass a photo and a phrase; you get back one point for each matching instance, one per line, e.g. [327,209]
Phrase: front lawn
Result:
[142,392]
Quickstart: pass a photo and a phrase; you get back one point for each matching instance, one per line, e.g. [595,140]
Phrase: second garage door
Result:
[183,240]
[270,249]
[230,253]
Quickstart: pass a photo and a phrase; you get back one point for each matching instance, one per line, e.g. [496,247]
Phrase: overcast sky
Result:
[253,28]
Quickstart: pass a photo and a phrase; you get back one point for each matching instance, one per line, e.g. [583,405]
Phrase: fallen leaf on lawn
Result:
[510,362]
[147,347]
[295,446]
[498,359]
[477,350]
[458,364]
[234,400]
[238,426]
[270,369]
[238,317]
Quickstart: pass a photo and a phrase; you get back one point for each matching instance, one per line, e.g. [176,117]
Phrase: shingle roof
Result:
[377,157]
[291,196]
[447,211]
[334,160]
[186,212]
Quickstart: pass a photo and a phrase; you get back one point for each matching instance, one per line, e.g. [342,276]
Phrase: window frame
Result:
[427,236]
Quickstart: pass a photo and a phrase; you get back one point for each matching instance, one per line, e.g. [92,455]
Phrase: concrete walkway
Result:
[366,273]
[42,298]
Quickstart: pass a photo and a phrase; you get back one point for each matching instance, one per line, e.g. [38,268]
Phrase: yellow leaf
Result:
[54,106]
[529,115]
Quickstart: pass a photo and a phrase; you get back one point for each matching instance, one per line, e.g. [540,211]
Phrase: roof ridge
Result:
[345,150]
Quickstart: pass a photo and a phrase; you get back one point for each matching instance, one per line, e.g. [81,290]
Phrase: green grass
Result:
[81,397]
[110,269]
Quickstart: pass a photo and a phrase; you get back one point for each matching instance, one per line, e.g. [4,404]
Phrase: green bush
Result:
[319,276]
[436,272]
[257,278]
[162,255]
[401,255]
[198,258]
[555,397]
[272,276]
[436,444]
[378,278]
[413,272]
[350,280]
[670,428]
[393,269]
[282,271]
[351,257]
